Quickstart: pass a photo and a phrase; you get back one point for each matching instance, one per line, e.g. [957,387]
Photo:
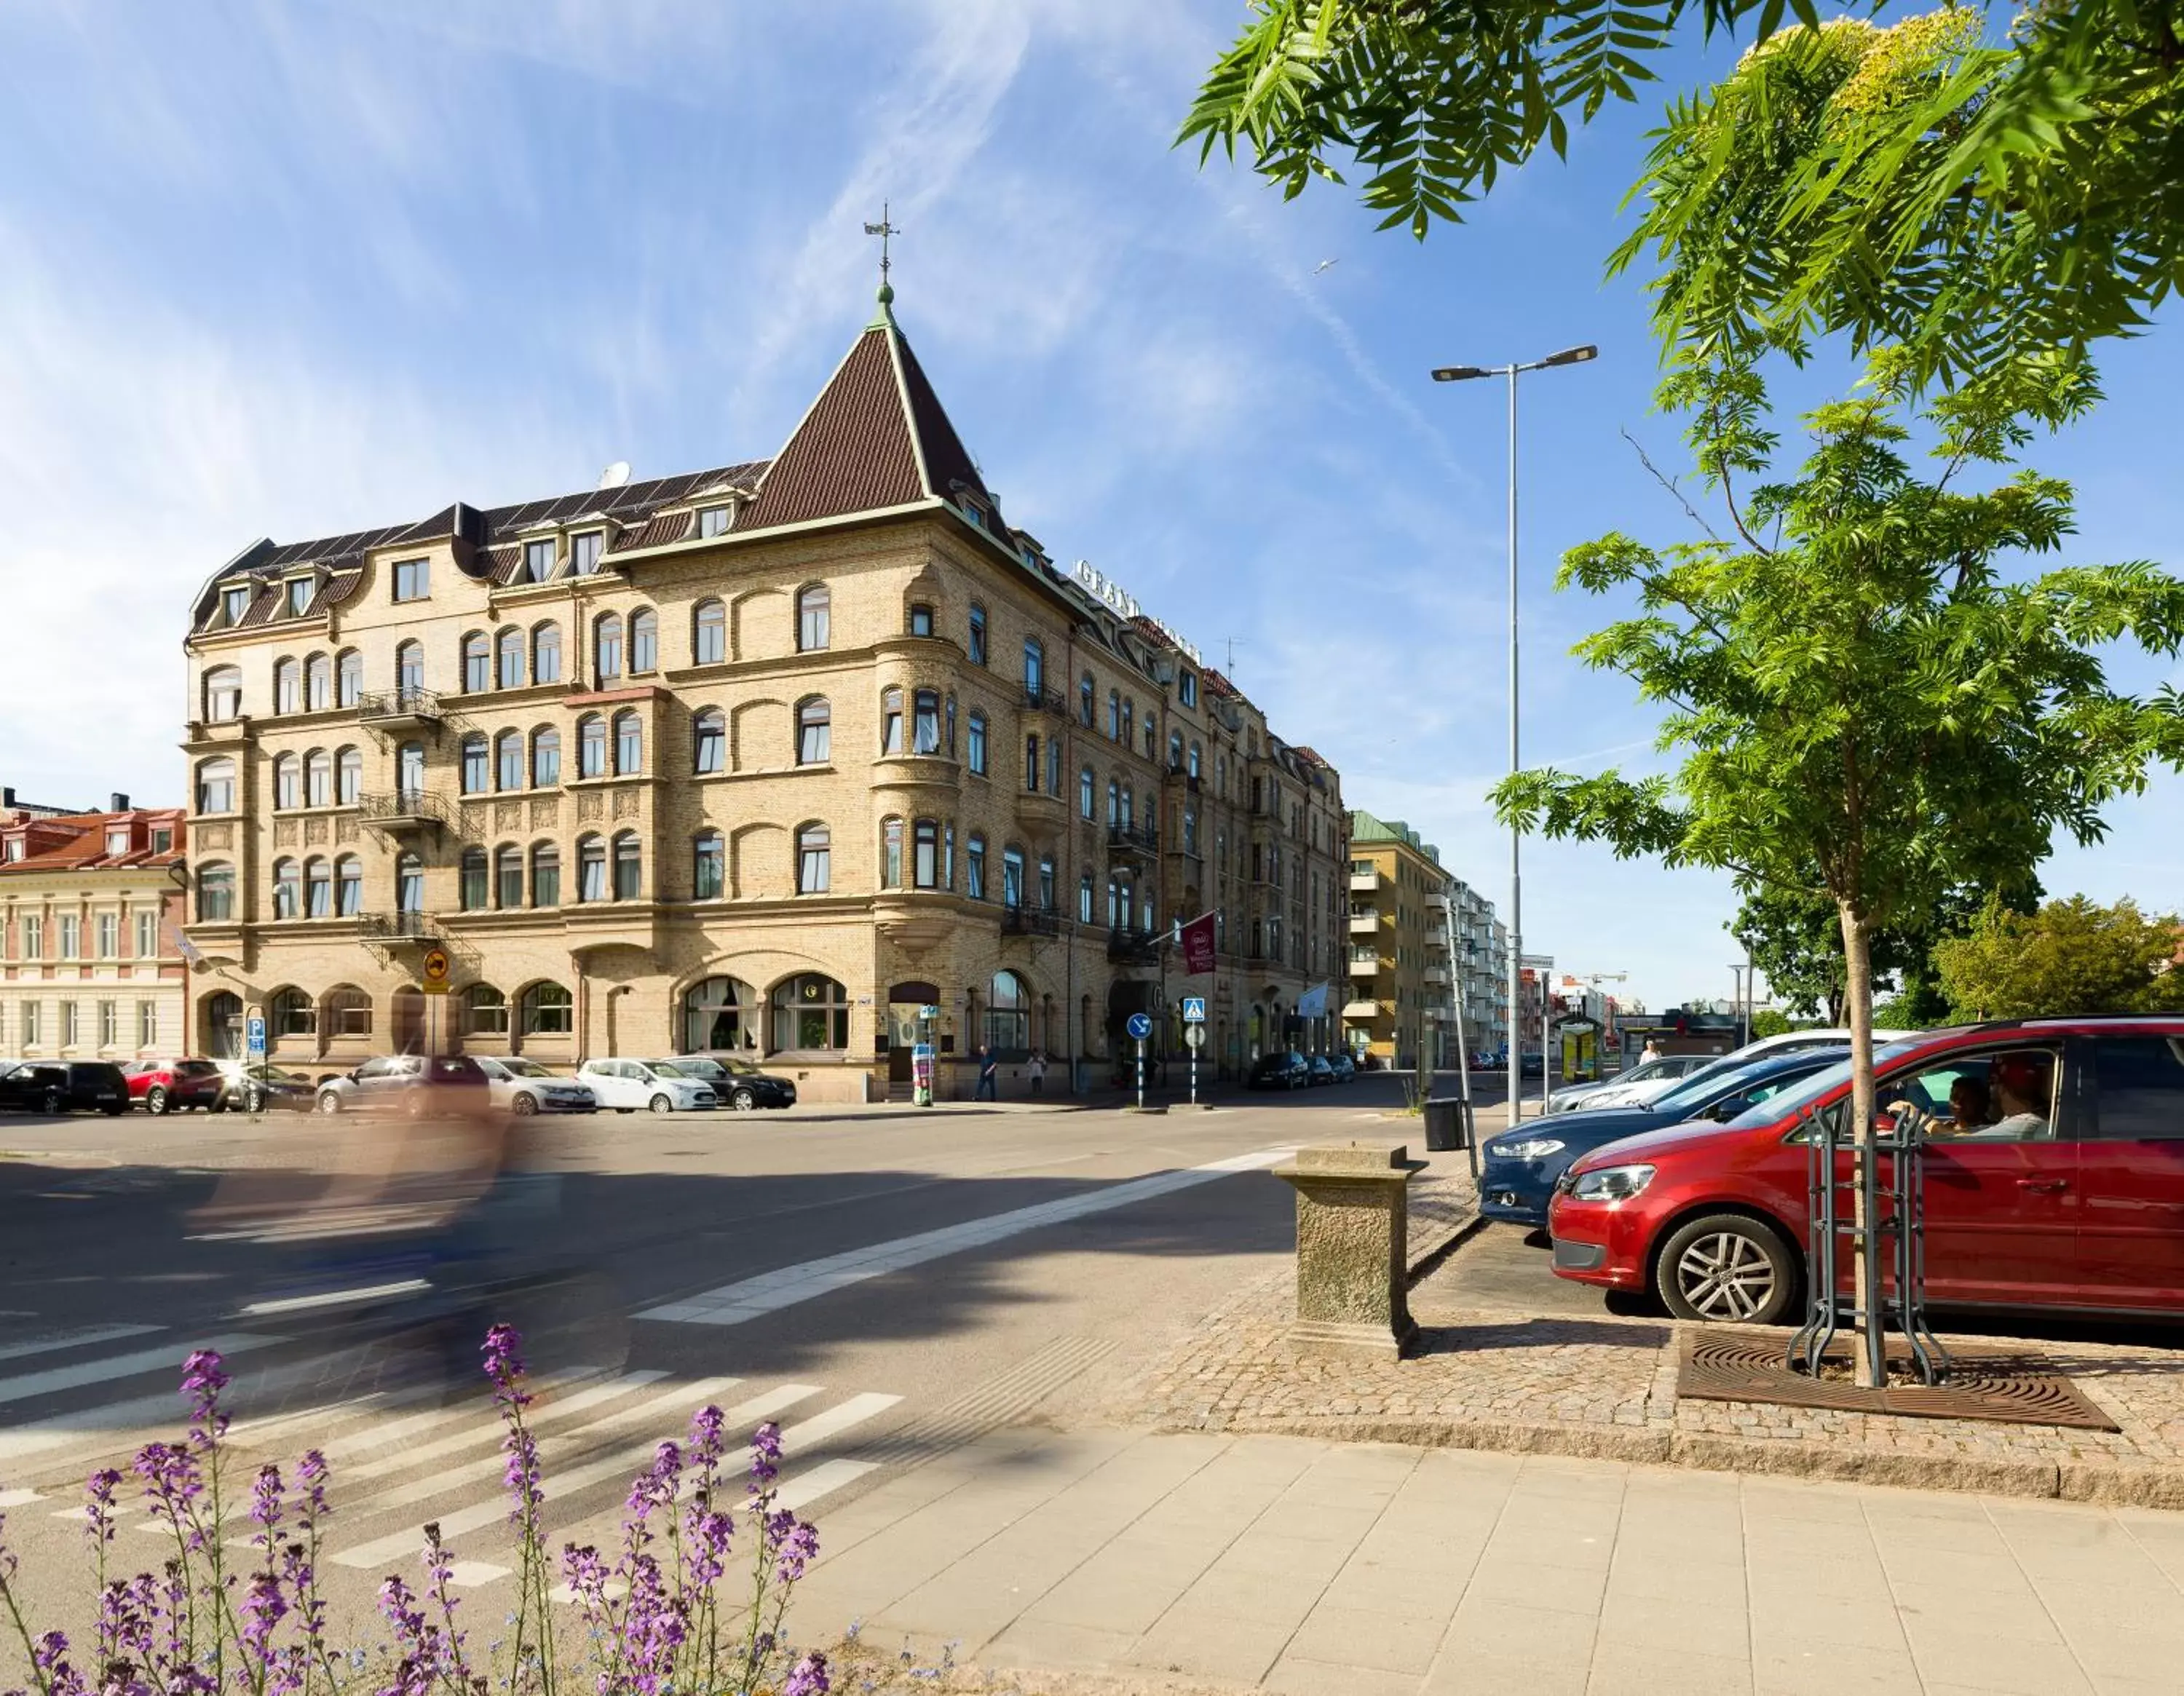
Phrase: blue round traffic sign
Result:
[1141,1025]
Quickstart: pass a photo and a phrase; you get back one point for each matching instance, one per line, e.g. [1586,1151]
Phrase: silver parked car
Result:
[523,1088]
[1668,1068]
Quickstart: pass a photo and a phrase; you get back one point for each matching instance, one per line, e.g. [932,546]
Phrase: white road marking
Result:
[811,1432]
[490,1430]
[822,1480]
[19,1498]
[750,1298]
[77,1339]
[26,1385]
[475,1572]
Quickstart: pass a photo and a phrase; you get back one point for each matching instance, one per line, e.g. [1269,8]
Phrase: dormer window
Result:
[971,512]
[715,520]
[163,842]
[538,560]
[1187,689]
[234,603]
[117,842]
[413,579]
[584,553]
[14,848]
[300,597]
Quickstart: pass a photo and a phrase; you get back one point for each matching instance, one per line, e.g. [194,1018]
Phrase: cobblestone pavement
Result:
[1606,1387]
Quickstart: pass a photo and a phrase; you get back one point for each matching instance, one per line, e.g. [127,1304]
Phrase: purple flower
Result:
[170,1477]
[265,1504]
[312,1473]
[203,1377]
[808,1678]
[263,1608]
[503,1365]
[656,1486]
[795,1542]
[99,1504]
[708,1439]
[764,1456]
[521,1474]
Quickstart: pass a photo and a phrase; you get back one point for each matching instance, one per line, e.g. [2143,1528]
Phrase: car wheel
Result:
[743,1101]
[1727,1268]
[155,1100]
[330,1103]
[525,1105]
[54,1103]
[660,1103]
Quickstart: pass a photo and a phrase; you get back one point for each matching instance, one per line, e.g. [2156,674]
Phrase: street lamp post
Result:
[1456,374]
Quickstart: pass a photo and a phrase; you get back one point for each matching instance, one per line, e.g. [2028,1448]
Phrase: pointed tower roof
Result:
[876,438]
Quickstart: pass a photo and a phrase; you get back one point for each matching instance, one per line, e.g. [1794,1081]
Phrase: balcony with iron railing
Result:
[1127,946]
[403,809]
[390,708]
[1031,921]
[1048,701]
[1132,839]
[399,927]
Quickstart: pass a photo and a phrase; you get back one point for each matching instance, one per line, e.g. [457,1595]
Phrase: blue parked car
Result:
[1517,1176]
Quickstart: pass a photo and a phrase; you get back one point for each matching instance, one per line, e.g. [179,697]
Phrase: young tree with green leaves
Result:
[1866,706]
[1967,181]
[2072,956]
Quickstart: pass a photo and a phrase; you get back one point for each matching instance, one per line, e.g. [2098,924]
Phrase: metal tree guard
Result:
[1896,1215]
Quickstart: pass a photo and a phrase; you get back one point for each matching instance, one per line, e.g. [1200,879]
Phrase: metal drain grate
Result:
[1989,1384]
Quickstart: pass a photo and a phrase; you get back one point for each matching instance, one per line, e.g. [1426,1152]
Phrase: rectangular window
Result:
[234,603]
[925,852]
[1031,764]
[1187,687]
[31,1033]
[147,1023]
[67,1024]
[713,520]
[107,928]
[110,1024]
[538,559]
[147,936]
[413,580]
[300,597]
[584,553]
[71,936]
[2142,1089]
[510,876]
[33,936]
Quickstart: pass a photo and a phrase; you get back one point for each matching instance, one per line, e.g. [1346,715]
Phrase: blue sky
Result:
[294,268]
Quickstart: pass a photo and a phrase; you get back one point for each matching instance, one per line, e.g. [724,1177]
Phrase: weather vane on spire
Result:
[886,231]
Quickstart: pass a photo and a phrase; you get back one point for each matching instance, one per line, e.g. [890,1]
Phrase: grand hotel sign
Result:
[1112,594]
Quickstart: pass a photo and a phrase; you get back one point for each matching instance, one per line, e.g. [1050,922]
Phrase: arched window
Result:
[709,866]
[508,760]
[476,880]
[348,1011]
[1085,899]
[1008,1014]
[1118,902]
[287,781]
[318,778]
[318,888]
[974,866]
[477,663]
[951,726]
[628,867]
[978,634]
[890,853]
[591,869]
[1114,714]
[977,743]
[925,721]
[508,877]
[223,694]
[348,678]
[547,1010]
[643,641]
[409,884]
[409,669]
[349,776]
[607,648]
[545,757]
[709,634]
[921,617]
[215,893]
[545,875]
[216,786]
[814,852]
[1114,804]
[287,686]
[810,1012]
[406,1014]
[287,889]
[1087,794]
[290,1012]
[1129,807]
[1129,719]
[714,1012]
[546,653]
[1035,666]
[1190,830]
[348,886]
[509,646]
[591,746]
[1012,876]
[813,622]
[1194,762]
[1046,882]
[1085,691]
[925,854]
[474,763]
[814,731]
[318,683]
[709,741]
[629,744]
[890,721]
[947,853]
[485,1011]
[1152,735]
[1175,750]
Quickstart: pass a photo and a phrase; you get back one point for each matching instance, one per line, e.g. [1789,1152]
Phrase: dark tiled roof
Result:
[658,532]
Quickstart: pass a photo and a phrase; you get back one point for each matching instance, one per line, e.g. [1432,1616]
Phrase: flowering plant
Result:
[657,1624]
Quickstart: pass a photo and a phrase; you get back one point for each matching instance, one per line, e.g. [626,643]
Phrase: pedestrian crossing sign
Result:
[1193,1009]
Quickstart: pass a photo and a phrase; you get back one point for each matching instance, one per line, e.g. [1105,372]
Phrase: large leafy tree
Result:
[2072,956]
[1928,184]
[1864,703]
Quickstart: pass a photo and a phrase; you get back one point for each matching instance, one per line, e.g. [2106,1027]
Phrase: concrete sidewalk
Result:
[1290,1563]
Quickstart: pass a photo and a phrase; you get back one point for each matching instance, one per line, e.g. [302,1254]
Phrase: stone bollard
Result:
[1353,1264]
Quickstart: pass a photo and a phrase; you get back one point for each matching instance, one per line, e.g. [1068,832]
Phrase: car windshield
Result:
[194,1068]
[523,1068]
[1800,1096]
[697,1066]
[669,1068]
[1715,1081]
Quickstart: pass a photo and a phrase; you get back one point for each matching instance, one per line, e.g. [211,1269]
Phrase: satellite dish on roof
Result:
[615,476]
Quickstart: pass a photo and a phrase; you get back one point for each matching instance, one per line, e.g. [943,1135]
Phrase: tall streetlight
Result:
[1457,374]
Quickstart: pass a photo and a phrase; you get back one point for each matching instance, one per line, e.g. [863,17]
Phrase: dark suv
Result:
[65,1086]
[1279,1070]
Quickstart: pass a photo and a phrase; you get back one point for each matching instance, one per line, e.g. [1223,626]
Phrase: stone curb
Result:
[2064,1481]
[1430,1248]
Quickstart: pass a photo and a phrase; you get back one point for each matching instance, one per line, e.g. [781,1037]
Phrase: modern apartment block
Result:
[1405,911]
[772,756]
[91,905]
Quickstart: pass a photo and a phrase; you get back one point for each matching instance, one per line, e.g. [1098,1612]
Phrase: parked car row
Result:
[1294,1071]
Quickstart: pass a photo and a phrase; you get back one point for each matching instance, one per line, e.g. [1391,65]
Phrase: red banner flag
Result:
[1198,944]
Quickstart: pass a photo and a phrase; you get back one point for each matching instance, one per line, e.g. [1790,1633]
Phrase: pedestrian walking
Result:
[989,1072]
[1649,1053]
[1036,1072]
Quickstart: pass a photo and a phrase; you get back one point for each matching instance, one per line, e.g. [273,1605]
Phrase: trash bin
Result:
[1444,1124]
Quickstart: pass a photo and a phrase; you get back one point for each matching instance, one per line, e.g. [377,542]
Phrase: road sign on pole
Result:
[435,966]
[1193,1009]
[1196,1035]
[254,1036]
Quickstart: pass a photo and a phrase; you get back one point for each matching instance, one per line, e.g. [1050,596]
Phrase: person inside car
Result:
[2023,1086]
[1971,1108]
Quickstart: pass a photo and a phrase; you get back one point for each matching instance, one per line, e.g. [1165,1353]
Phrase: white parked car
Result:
[627,1085]
[1619,1094]
[523,1088]
[1667,1067]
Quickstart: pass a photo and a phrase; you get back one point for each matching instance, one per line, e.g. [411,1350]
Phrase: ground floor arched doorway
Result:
[222,1022]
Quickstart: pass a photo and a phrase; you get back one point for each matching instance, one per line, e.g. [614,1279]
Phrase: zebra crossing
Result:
[400,1459]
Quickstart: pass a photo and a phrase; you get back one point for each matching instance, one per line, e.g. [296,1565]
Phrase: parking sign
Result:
[253,1037]
[1193,1009]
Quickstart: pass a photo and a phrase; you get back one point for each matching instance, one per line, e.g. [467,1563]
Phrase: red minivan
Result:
[2054,1179]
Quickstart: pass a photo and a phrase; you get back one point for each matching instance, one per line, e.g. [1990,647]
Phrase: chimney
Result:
[7,797]
[120,802]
